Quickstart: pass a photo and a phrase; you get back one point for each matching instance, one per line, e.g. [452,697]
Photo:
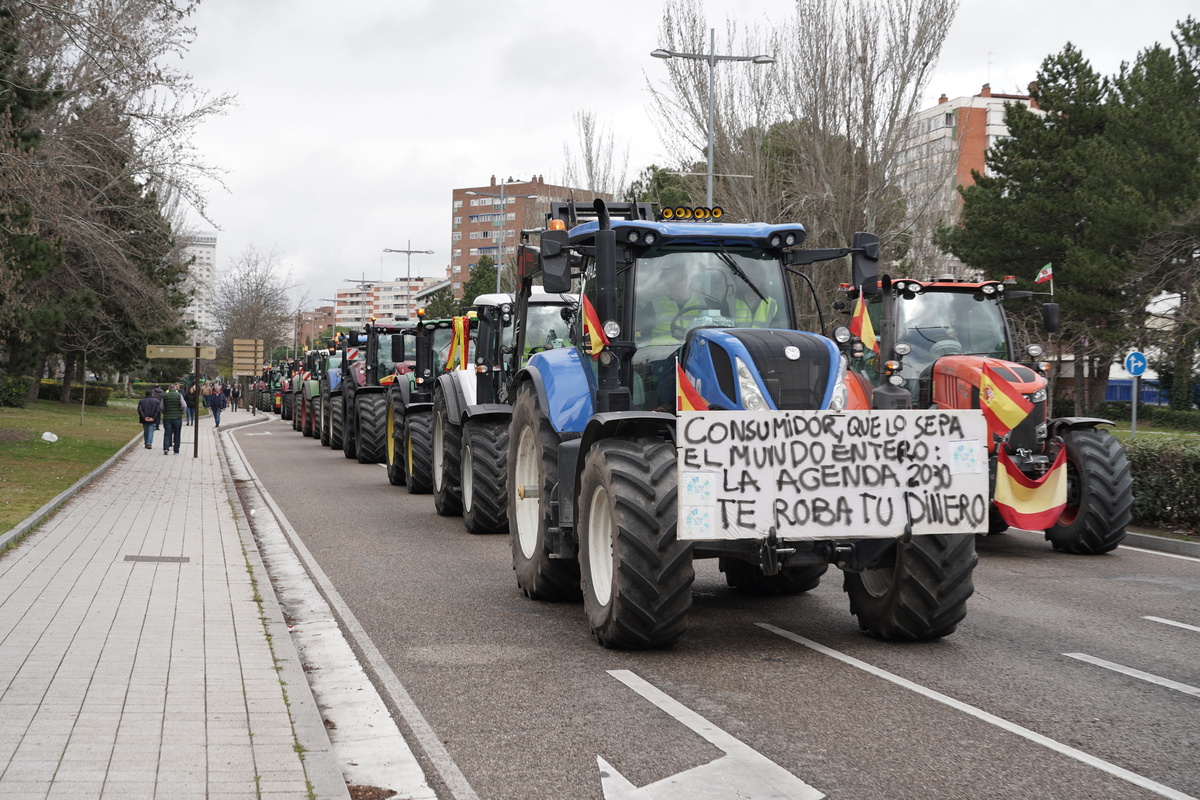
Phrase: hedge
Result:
[1166,482]
[92,395]
[14,392]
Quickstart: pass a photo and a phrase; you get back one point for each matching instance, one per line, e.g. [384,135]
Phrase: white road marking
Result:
[1173,622]
[742,772]
[992,719]
[1157,553]
[264,433]
[1136,673]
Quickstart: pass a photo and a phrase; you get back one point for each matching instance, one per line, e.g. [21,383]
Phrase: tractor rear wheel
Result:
[370,422]
[922,595]
[306,416]
[349,427]
[335,422]
[1099,494]
[748,578]
[447,476]
[418,452]
[320,423]
[485,475]
[285,407]
[394,452]
[637,576]
[533,472]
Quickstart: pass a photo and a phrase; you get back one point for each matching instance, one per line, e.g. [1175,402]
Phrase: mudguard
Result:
[563,386]
[484,410]
[1056,426]
[453,395]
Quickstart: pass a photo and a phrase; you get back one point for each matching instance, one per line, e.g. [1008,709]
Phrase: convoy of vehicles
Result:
[657,392]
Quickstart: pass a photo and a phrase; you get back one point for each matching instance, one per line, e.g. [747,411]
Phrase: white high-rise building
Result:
[201,250]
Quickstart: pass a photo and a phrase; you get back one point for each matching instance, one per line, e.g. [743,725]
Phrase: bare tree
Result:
[593,165]
[253,302]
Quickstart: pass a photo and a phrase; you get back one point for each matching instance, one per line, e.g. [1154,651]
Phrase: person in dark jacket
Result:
[172,418]
[158,395]
[189,399]
[149,410]
[216,404]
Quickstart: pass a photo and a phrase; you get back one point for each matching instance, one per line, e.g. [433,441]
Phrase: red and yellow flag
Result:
[592,329]
[459,344]
[860,325]
[686,396]
[1003,406]
[1026,503]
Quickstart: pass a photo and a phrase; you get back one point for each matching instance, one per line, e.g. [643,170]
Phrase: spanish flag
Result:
[1003,406]
[1028,504]
[459,344]
[860,325]
[686,396]
[592,329]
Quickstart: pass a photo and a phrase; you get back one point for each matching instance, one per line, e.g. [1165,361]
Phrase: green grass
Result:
[32,471]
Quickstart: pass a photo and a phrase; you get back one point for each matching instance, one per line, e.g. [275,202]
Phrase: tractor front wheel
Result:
[418,452]
[394,453]
[922,595]
[637,576]
[748,578]
[335,422]
[485,475]
[370,421]
[320,423]
[447,476]
[533,473]
[1099,494]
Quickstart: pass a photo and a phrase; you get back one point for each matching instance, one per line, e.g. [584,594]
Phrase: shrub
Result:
[1166,482]
[14,391]
[92,394]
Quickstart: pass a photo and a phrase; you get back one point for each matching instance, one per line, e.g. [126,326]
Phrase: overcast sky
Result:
[356,120]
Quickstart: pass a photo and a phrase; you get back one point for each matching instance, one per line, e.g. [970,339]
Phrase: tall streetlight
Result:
[363,283]
[408,280]
[712,58]
[503,216]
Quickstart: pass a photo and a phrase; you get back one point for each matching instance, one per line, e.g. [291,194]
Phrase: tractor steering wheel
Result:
[678,327]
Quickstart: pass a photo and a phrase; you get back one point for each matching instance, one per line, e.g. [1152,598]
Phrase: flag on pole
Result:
[1003,406]
[686,396]
[860,325]
[592,329]
[1027,503]
[1046,274]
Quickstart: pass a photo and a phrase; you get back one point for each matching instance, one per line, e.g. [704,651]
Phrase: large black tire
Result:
[335,422]
[394,451]
[307,416]
[533,462]
[1099,494]
[447,470]
[349,427]
[636,575]
[418,452]
[371,424]
[294,410]
[320,421]
[923,595]
[748,578]
[485,475]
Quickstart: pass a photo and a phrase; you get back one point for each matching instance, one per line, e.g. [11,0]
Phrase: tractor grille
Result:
[793,385]
[1024,436]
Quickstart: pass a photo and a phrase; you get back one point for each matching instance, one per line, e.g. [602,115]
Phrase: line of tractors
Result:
[567,415]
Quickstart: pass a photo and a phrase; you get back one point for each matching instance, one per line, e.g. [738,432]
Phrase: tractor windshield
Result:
[546,328]
[677,290]
[442,338]
[937,324]
[383,355]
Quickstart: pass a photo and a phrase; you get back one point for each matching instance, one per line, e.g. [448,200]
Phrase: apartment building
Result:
[313,326]
[200,249]
[487,220]
[381,300]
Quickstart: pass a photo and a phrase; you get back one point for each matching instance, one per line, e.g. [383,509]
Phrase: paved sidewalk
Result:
[135,657]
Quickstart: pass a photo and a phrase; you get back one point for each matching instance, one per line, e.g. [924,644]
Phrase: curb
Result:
[1161,544]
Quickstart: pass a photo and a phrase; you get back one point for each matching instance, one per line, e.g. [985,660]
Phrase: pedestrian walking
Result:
[189,399]
[235,396]
[149,410]
[206,393]
[158,395]
[216,404]
[172,418]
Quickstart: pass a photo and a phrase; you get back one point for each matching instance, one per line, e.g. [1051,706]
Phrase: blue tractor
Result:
[705,316]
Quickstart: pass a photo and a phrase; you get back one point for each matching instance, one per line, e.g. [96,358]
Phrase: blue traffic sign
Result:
[1135,363]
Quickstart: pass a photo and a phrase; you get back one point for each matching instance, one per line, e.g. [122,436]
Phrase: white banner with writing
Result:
[831,475]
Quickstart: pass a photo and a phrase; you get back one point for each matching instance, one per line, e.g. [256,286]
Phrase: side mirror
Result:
[864,265]
[556,262]
[1050,317]
[397,348]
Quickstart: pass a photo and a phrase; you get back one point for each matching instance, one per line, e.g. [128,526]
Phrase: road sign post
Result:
[1135,365]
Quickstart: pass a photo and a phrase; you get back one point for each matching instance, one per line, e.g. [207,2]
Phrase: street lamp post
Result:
[503,219]
[363,283]
[712,58]
[408,280]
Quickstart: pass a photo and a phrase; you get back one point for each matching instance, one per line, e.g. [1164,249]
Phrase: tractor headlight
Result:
[902,348]
[650,237]
[1034,350]
[841,334]
[1038,397]
[752,398]
[612,328]
[837,400]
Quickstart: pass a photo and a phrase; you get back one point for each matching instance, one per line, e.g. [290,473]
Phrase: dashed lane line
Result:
[1136,673]
[992,719]
[1183,625]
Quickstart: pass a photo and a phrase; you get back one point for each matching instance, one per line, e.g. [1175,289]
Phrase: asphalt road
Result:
[526,702]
